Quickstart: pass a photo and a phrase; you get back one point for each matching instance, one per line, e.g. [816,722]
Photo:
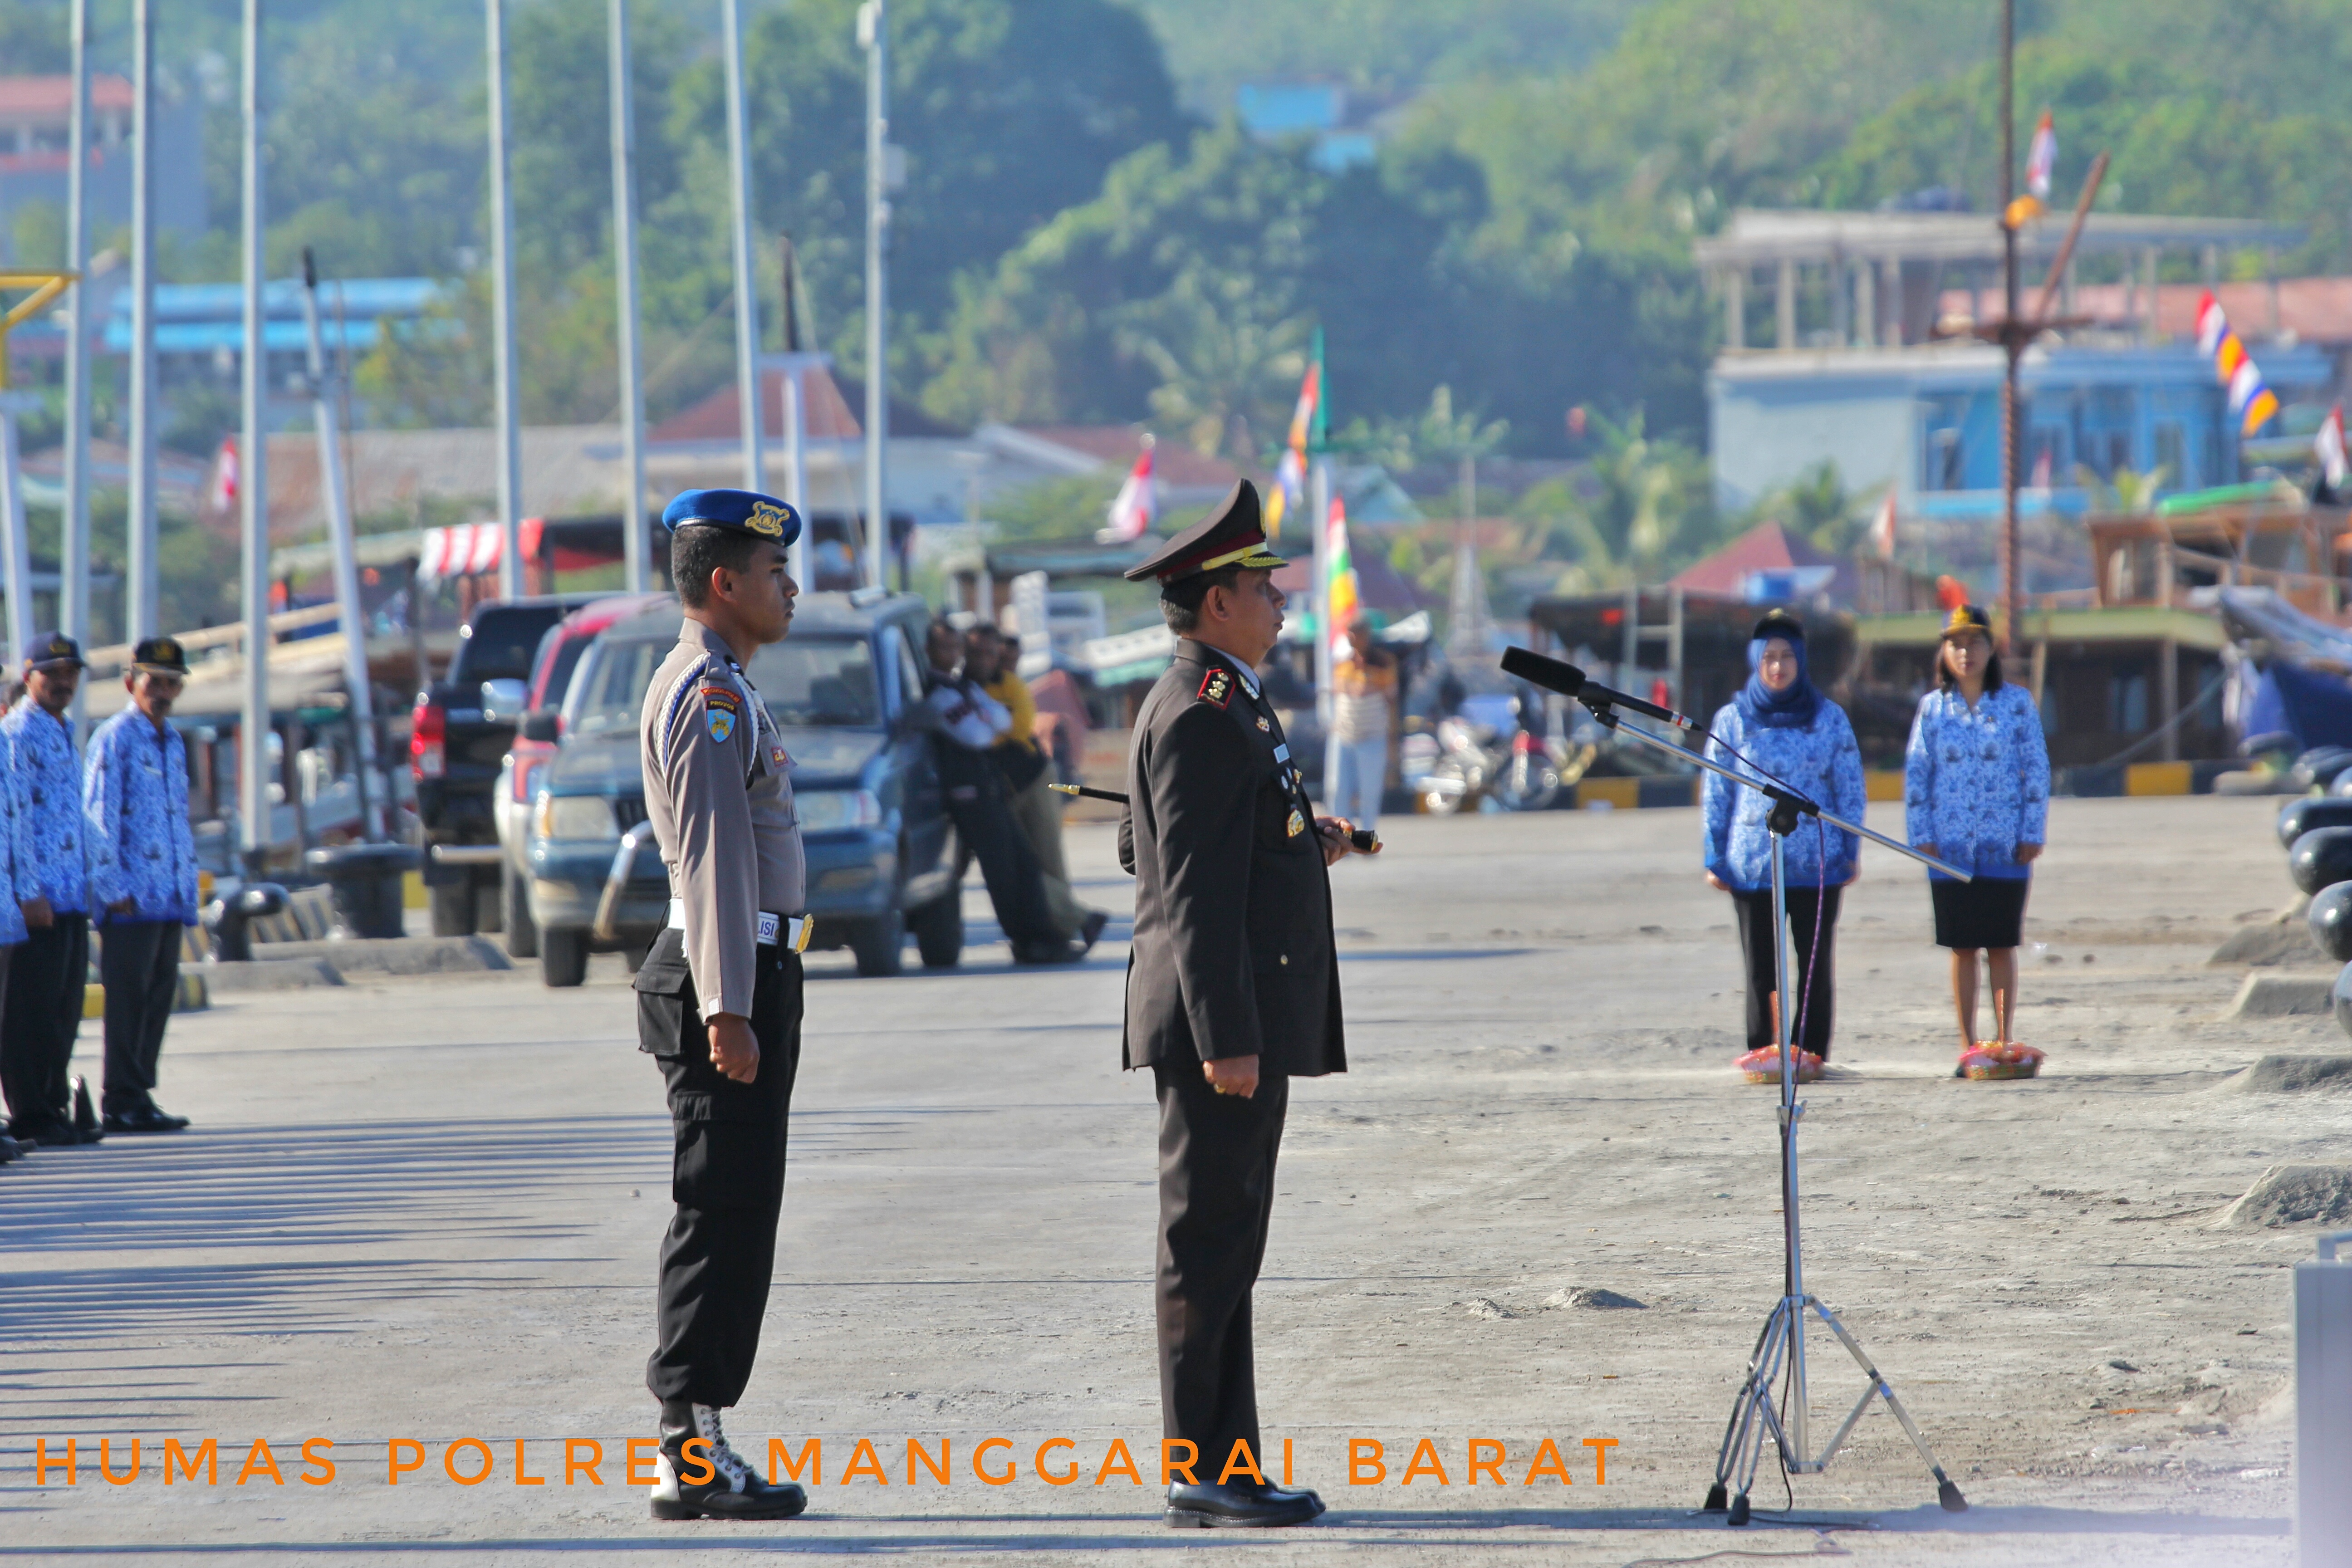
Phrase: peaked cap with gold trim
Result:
[1230,535]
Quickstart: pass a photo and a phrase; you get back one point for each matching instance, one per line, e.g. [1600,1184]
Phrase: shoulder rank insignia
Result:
[1217,687]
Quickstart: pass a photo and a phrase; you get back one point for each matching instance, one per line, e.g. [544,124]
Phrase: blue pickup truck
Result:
[846,690]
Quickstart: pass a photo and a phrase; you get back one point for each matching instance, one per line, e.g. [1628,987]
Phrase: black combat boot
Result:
[734,1491]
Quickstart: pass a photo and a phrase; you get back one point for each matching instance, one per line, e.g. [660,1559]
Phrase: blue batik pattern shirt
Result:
[47,775]
[1976,784]
[135,797]
[12,918]
[1821,761]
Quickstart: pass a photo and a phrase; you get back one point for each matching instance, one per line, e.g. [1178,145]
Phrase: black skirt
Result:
[1987,912]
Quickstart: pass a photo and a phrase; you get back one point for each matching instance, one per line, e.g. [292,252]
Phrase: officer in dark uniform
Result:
[1232,990]
[718,993]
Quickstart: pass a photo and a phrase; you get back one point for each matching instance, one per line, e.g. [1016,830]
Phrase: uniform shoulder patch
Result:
[1217,687]
[721,697]
[721,708]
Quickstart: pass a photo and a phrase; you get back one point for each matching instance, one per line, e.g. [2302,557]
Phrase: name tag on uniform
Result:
[1282,752]
[767,924]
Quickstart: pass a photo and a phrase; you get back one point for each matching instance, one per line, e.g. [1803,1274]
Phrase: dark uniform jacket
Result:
[1233,950]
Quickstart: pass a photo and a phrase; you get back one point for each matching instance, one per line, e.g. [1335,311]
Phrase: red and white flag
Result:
[222,494]
[2041,161]
[1132,510]
[2329,444]
[1882,527]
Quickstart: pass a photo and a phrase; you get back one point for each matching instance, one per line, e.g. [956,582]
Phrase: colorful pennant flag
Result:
[2251,401]
[1132,510]
[2043,159]
[1882,528]
[1290,474]
[1340,598]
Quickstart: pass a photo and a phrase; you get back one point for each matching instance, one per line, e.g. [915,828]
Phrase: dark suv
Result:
[458,739]
[845,690]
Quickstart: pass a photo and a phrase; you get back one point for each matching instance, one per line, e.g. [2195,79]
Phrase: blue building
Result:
[1876,363]
[1927,418]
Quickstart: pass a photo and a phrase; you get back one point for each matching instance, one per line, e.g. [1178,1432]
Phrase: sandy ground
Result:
[428,1210]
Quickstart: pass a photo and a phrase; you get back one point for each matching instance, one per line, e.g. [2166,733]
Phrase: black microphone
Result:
[1553,675]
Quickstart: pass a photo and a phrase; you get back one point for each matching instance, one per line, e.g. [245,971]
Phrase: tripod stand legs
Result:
[1754,1417]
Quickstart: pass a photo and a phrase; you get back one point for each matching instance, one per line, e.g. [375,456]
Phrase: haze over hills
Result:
[1086,237]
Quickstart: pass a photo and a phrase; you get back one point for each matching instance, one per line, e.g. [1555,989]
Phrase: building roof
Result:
[1767,547]
[1085,449]
[1755,236]
[2316,309]
[38,98]
[833,403]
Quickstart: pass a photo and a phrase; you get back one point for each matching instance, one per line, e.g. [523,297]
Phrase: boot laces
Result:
[723,1458]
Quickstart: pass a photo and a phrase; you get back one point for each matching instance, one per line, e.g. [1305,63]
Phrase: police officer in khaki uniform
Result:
[1231,991]
[719,995]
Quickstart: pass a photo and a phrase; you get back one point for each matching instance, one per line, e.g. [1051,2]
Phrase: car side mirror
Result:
[541,724]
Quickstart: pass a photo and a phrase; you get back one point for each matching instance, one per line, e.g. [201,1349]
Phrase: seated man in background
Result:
[1028,779]
[970,724]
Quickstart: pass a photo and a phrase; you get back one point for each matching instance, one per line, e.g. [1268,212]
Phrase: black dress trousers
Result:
[39,1017]
[1756,943]
[140,963]
[1216,1197]
[727,1173]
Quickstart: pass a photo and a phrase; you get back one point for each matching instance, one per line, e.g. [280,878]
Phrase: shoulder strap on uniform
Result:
[687,680]
[1216,687]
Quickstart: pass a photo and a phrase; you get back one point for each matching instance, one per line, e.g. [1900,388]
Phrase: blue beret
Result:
[740,511]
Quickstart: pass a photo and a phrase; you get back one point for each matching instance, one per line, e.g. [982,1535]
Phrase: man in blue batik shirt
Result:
[42,1011]
[143,878]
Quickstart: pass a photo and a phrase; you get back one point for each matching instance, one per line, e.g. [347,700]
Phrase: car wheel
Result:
[880,944]
[564,955]
[938,931]
[523,931]
[452,908]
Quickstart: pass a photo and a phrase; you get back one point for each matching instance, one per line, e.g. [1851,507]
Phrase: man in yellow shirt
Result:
[1028,772]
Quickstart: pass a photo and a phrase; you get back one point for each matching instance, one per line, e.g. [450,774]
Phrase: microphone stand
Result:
[1782,1341]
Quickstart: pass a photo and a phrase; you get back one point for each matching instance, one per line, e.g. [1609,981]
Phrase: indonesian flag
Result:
[1131,509]
[1340,599]
[1882,527]
[2329,444]
[2249,399]
[2043,159]
[1290,474]
[222,494]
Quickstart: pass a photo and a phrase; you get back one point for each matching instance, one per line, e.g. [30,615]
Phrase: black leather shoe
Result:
[52,1134]
[734,1490]
[1238,1507]
[146,1119]
[1051,950]
[1091,933]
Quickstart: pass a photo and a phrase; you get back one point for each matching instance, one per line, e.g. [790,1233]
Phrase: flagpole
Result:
[637,542]
[252,481]
[2011,329]
[502,313]
[73,551]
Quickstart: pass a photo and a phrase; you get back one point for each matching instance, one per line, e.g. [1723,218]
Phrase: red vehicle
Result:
[534,743]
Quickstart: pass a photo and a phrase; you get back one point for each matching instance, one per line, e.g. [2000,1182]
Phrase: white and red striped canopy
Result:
[471,549]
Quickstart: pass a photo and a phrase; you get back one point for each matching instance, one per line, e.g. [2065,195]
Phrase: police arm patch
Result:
[1217,687]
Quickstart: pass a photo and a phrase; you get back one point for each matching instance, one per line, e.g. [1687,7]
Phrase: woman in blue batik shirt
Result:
[1975,795]
[1782,724]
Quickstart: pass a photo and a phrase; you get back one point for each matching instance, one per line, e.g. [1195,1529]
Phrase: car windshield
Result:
[814,681]
[808,681]
[499,643]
